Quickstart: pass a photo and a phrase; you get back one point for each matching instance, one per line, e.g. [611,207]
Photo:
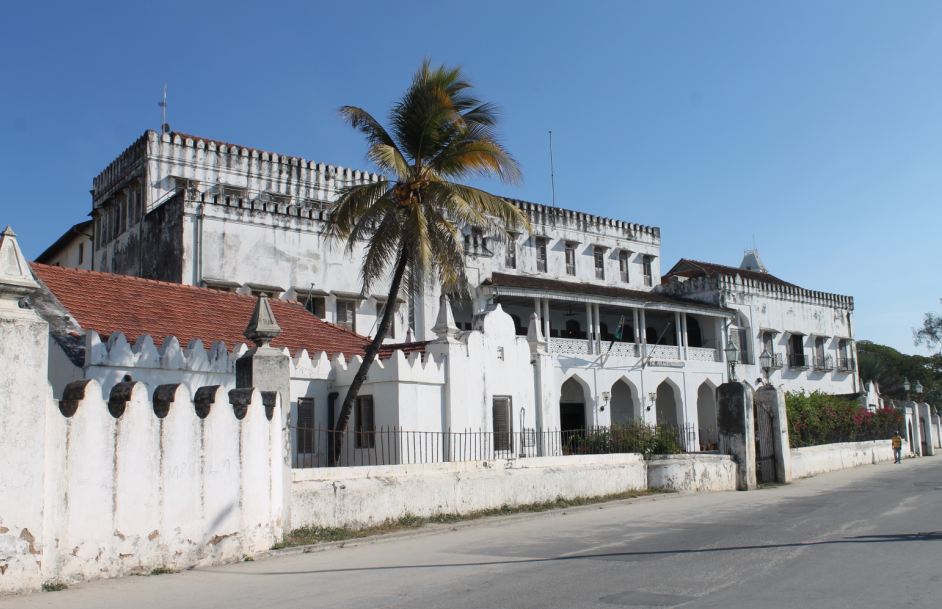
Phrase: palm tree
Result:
[412,223]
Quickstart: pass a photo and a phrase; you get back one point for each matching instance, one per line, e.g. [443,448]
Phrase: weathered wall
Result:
[812,460]
[132,484]
[698,473]
[360,496]
[161,244]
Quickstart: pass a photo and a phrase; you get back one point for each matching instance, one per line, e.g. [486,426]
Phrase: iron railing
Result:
[797,360]
[845,363]
[315,446]
[822,362]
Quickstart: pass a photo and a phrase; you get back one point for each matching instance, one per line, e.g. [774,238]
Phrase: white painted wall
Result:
[692,473]
[349,496]
[129,493]
[812,460]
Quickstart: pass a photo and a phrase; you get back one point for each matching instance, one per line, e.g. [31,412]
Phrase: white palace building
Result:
[570,326]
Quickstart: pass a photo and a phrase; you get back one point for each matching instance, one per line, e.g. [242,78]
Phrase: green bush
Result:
[819,418]
[624,438]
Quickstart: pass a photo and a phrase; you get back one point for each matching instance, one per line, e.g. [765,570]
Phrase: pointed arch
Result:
[625,403]
[707,416]
[575,399]
[669,405]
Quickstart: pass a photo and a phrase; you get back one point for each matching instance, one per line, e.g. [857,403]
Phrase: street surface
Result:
[863,538]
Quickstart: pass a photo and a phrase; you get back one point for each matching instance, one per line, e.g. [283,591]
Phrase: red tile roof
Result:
[109,303]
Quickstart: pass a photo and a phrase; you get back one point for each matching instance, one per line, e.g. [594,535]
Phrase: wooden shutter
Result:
[503,424]
[305,425]
[365,425]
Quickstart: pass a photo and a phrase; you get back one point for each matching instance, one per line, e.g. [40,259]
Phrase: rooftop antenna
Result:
[164,126]
[552,172]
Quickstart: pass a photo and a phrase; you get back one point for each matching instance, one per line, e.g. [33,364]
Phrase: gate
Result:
[765,444]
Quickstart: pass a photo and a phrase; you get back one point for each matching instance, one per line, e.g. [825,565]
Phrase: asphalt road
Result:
[869,537]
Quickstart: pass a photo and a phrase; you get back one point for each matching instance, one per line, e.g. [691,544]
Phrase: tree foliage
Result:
[412,224]
[930,334]
[888,368]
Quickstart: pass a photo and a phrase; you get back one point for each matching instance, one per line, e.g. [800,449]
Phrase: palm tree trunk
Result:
[347,407]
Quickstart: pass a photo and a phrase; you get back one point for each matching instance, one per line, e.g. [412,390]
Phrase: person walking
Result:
[897,448]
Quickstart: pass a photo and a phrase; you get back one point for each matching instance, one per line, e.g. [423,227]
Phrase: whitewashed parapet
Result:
[172,480]
[117,353]
[417,367]
[737,283]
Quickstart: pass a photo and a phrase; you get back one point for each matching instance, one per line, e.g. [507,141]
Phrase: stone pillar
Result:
[773,400]
[447,347]
[542,387]
[937,430]
[268,370]
[737,436]
[925,423]
[25,404]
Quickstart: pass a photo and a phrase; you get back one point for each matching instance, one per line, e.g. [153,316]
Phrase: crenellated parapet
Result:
[220,164]
[175,479]
[117,352]
[724,286]
[127,164]
[559,218]
[416,367]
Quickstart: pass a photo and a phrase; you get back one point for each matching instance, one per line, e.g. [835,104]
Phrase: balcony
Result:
[580,346]
[845,363]
[797,360]
[822,363]
[702,354]
[778,360]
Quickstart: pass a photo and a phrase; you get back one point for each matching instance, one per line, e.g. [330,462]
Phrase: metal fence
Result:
[315,446]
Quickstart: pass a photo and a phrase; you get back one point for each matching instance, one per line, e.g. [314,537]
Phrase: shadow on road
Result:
[858,539]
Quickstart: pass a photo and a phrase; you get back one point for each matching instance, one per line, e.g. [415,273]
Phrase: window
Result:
[304,439]
[81,253]
[503,423]
[365,425]
[768,344]
[347,314]
[599,255]
[819,359]
[380,311]
[317,305]
[843,355]
[510,253]
[540,254]
[623,265]
[648,273]
[796,351]
[570,258]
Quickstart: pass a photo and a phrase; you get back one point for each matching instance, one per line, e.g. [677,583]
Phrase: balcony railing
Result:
[778,360]
[845,363]
[580,346]
[822,363]
[797,360]
[702,354]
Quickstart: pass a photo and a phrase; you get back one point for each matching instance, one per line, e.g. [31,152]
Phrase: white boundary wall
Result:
[812,460]
[697,473]
[364,496]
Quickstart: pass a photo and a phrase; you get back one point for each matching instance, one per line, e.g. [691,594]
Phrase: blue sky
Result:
[812,128]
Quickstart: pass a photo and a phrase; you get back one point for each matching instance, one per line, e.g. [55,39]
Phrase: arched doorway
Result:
[623,405]
[573,398]
[668,407]
[706,416]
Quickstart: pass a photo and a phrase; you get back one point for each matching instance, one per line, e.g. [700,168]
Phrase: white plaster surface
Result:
[697,473]
[360,496]
[813,460]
